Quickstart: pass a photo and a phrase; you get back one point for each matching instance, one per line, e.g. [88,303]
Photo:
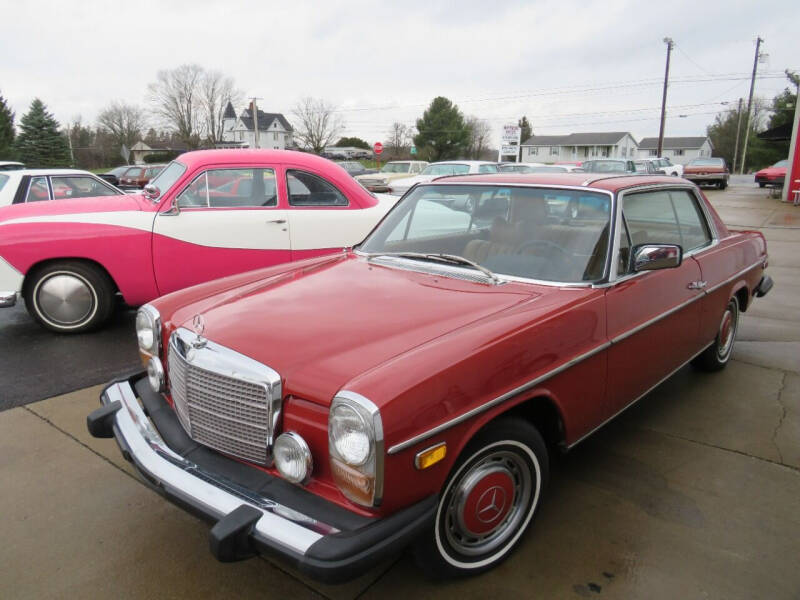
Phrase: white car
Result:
[34,185]
[664,164]
[10,165]
[395,169]
[398,187]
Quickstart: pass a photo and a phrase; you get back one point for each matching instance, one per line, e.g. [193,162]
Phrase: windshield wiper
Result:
[452,259]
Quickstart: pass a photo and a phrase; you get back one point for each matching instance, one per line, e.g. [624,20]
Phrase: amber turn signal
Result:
[430,456]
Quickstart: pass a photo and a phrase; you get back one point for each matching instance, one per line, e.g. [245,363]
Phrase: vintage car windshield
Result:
[781,163]
[166,178]
[448,169]
[605,166]
[539,233]
[396,168]
[3,179]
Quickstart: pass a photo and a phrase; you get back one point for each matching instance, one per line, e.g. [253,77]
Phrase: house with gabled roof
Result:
[579,146]
[274,130]
[680,150]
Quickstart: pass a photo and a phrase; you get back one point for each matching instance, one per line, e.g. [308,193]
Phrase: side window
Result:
[487,169]
[692,223]
[651,218]
[37,190]
[196,194]
[80,187]
[306,189]
[241,187]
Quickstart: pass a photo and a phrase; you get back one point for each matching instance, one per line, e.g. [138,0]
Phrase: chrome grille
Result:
[223,399]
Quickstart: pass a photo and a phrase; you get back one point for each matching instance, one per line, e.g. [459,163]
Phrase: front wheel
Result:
[717,355]
[488,501]
[69,296]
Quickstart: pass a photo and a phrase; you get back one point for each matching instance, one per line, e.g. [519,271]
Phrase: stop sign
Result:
[377,148]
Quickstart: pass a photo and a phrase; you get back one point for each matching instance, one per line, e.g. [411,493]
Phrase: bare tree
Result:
[317,123]
[399,140]
[123,121]
[480,132]
[176,96]
[216,91]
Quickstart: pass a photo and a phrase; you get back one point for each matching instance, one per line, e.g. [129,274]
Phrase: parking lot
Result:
[692,493]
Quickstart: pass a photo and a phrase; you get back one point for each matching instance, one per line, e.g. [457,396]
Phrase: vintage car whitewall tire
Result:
[69,296]
[488,501]
[717,355]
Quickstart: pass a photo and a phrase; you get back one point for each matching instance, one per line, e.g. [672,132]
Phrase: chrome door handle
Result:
[277,221]
[697,285]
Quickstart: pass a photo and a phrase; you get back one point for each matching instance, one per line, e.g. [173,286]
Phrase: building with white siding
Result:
[274,131]
[680,150]
[579,147]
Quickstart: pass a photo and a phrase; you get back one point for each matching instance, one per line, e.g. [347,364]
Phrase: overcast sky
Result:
[568,66]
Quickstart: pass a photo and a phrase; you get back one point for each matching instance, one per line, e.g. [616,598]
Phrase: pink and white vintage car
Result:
[207,215]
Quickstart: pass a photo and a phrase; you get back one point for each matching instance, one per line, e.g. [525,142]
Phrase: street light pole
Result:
[736,146]
[749,105]
[670,44]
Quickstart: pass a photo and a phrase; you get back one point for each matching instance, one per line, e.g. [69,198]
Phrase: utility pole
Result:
[749,105]
[255,119]
[670,44]
[69,139]
[736,146]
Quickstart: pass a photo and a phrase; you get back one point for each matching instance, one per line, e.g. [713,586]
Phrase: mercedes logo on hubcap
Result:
[491,504]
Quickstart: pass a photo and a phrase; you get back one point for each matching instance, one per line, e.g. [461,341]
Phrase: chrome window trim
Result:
[515,278]
[536,381]
[377,428]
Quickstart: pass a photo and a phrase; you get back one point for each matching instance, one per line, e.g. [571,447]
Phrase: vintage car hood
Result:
[321,327]
[52,208]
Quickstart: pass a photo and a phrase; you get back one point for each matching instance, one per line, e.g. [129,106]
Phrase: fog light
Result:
[292,457]
[155,374]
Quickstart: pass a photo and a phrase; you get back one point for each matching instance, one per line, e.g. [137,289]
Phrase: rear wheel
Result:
[723,184]
[69,296]
[761,184]
[488,501]
[717,355]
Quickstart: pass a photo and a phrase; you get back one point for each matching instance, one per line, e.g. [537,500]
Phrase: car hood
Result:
[321,326]
[772,171]
[53,208]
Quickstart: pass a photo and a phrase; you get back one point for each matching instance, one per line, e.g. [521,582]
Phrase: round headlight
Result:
[350,435]
[147,329]
[155,374]
[292,457]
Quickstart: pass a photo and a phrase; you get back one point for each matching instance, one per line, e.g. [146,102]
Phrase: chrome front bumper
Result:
[8,299]
[245,522]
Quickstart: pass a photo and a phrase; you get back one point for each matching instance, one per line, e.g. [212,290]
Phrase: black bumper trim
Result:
[764,286]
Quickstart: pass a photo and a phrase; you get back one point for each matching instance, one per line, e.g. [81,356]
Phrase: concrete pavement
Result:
[693,493]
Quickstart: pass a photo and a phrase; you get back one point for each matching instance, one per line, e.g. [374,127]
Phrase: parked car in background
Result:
[136,177]
[665,164]
[514,167]
[354,168]
[413,389]
[114,174]
[392,170]
[774,175]
[34,185]
[207,215]
[647,166]
[398,187]
[557,169]
[707,170]
[608,165]
[9,165]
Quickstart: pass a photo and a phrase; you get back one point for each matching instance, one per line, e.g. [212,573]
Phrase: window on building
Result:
[678,152]
[553,150]
[533,151]
[653,153]
[275,135]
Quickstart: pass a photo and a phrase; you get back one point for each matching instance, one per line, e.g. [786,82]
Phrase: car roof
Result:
[199,158]
[463,162]
[598,181]
[50,172]
[10,162]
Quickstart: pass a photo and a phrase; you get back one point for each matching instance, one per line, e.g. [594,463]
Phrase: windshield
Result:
[3,179]
[552,169]
[707,162]
[605,166]
[164,180]
[781,163]
[396,167]
[531,232]
[446,169]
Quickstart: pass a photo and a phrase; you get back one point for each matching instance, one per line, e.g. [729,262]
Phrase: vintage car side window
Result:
[195,194]
[37,190]
[229,188]
[80,187]
[693,227]
[651,218]
[307,189]
[3,180]
[487,169]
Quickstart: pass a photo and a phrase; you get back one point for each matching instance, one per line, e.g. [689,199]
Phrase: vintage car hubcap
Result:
[727,332]
[65,299]
[488,503]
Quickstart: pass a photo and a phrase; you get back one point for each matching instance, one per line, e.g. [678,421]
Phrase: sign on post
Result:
[377,148]
[509,142]
[413,150]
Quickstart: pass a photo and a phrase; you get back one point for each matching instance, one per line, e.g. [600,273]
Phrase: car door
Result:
[226,221]
[653,316]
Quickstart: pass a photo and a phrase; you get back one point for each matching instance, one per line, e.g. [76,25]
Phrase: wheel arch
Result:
[742,294]
[28,279]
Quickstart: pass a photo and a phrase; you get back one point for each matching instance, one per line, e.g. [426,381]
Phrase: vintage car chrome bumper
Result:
[247,522]
[8,299]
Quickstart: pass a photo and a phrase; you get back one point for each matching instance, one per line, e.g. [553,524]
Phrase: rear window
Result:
[707,162]
[3,180]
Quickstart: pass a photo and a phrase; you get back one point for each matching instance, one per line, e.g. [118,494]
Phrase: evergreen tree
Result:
[39,143]
[443,133]
[6,131]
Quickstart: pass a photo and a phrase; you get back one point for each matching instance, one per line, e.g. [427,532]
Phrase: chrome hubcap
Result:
[488,503]
[727,332]
[65,299]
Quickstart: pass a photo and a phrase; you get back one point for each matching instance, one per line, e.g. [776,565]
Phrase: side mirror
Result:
[652,257]
[151,192]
